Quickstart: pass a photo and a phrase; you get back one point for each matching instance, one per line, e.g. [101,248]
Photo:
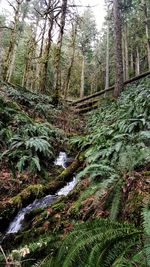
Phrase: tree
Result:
[86,36]
[118,48]
[57,86]
[20,12]
[107,49]
[73,37]
[146,15]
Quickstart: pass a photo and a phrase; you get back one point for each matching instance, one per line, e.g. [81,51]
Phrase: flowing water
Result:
[17,223]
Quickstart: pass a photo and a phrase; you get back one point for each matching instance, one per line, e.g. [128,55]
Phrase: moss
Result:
[16,200]
[59,206]
[146,173]
[30,215]
[30,191]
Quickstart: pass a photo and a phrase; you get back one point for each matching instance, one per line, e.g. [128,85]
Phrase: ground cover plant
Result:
[116,187]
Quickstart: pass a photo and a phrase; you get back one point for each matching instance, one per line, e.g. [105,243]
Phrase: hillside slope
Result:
[102,219]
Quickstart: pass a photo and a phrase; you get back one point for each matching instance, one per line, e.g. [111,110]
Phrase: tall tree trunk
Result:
[31,46]
[107,57]
[38,56]
[82,77]
[145,9]
[118,48]
[137,70]
[74,34]
[57,86]
[44,79]
[126,53]
[132,63]
[12,63]
[16,32]
[123,59]
[13,43]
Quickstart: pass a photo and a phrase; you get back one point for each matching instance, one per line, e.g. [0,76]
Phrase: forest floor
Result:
[62,118]
[87,201]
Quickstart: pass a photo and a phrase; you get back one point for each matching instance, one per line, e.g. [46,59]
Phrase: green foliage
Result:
[118,134]
[146,225]
[99,243]
[24,143]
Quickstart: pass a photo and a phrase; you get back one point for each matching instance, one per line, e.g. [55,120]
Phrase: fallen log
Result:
[87,109]
[93,95]
[86,104]
[136,78]
[32,192]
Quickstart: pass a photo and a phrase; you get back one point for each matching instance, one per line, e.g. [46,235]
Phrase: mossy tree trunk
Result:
[74,35]
[44,79]
[57,86]
[118,48]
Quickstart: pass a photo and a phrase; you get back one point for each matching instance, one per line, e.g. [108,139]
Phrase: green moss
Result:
[58,206]
[31,190]
[16,200]
[146,173]
[30,215]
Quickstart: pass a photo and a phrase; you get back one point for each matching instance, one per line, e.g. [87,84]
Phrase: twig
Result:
[5,27]
[4,254]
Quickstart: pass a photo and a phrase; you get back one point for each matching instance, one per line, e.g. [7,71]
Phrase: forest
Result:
[74,134]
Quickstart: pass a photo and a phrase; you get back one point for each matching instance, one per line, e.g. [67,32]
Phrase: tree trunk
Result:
[30,53]
[82,77]
[137,71]
[107,58]
[132,63]
[118,48]
[123,59]
[46,58]
[145,9]
[13,43]
[16,32]
[57,86]
[74,34]
[126,53]
[12,63]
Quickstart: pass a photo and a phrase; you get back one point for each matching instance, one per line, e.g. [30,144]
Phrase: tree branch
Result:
[5,27]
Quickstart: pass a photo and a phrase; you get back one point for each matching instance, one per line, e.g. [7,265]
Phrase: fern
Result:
[98,243]
[116,200]
[146,224]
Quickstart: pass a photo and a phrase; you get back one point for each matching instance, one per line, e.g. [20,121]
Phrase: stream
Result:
[17,222]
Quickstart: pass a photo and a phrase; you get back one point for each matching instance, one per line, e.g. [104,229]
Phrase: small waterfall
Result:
[16,224]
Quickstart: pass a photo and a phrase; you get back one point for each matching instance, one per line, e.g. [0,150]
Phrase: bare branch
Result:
[11,5]
[5,27]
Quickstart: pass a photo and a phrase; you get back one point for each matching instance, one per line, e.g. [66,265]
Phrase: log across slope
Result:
[136,78]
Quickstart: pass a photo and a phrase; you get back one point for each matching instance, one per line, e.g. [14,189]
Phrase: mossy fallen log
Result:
[10,208]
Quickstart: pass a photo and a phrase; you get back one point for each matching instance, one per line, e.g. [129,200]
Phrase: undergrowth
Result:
[24,143]
[116,146]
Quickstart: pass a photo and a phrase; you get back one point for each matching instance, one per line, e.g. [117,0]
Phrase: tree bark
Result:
[44,79]
[126,53]
[118,48]
[57,86]
[10,60]
[107,57]
[132,63]
[74,34]
[137,71]
[82,77]
[145,9]
[13,43]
